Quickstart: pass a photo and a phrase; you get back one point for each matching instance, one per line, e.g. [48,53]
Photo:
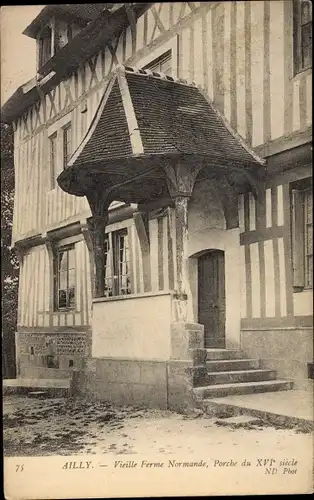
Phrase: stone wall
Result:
[121,382]
[288,351]
[51,355]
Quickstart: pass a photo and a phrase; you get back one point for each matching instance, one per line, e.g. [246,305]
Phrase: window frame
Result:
[299,67]
[114,264]
[59,249]
[299,223]
[160,59]
[53,159]
[45,34]
[66,153]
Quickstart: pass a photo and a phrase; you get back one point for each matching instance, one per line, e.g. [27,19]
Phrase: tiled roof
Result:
[172,117]
[110,139]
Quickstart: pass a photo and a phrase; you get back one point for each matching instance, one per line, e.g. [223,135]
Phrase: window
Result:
[162,64]
[52,361]
[117,265]
[53,159]
[302,34]
[67,144]
[302,236]
[65,278]
[308,238]
[45,46]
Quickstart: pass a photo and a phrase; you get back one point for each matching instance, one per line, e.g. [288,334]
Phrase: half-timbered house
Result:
[163,203]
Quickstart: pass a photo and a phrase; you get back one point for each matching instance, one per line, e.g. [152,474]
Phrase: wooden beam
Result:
[132,21]
[141,225]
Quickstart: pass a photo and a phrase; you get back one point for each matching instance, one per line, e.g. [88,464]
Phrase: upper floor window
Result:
[67,144]
[53,159]
[65,278]
[162,64]
[302,235]
[45,47]
[117,264]
[302,34]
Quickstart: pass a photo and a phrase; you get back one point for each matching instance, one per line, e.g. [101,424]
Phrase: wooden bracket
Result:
[181,178]
[99,201]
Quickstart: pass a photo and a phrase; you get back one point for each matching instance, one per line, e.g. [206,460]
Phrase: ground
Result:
[38,427]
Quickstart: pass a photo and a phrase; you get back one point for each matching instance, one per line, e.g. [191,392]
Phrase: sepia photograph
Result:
[156,249]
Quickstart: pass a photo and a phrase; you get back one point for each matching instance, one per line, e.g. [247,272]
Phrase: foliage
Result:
[9,262]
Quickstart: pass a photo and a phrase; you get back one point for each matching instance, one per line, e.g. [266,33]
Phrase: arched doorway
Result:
[211,297]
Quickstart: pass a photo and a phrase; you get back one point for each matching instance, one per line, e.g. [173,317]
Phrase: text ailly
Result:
[77,465]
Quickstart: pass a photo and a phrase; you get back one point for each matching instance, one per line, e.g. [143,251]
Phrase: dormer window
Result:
[45,48]
[54,36]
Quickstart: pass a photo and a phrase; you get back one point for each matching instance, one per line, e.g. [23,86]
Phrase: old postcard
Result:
[157,259]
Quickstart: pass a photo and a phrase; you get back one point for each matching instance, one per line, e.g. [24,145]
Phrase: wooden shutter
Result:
[298,238]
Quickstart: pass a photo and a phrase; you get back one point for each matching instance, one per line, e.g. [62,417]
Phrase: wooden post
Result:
[99,203]
[180,179]
[86,231]
[181,251]
[98,237]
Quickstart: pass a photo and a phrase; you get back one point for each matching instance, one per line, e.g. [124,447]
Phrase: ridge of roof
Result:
[155,74]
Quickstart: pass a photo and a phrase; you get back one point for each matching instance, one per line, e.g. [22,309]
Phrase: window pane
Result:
[124,286]
[66,278]
[71,296]
[306,42]
[108,270]
[63,261]
[62,302]
[162,65]
[63,280]
[71,257]
[71,277]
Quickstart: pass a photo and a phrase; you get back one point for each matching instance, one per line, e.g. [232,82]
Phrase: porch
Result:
[153,140]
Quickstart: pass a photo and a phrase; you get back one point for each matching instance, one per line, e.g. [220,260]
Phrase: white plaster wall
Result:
[136,327]
[303,303]
[207,231]
[205,210]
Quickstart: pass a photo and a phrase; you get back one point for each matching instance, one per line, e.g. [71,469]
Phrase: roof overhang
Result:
[87,42]
[145,119]
[83,13]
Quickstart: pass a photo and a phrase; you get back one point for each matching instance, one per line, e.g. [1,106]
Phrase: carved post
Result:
[86,231]
[99,203]
[180,179]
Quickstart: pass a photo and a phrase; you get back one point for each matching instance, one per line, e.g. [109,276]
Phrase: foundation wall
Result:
[288,351]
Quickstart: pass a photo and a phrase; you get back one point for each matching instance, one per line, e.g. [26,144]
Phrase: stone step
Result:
[38,394]
[232,364]
[221,390]
[52,387]
[215,354]
[240,376]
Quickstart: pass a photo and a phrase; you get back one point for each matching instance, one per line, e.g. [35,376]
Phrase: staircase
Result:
[227,372]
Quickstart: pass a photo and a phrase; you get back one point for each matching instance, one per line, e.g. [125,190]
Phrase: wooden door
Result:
[211,297]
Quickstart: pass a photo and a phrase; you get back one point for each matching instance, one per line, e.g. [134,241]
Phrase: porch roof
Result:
[153,117]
